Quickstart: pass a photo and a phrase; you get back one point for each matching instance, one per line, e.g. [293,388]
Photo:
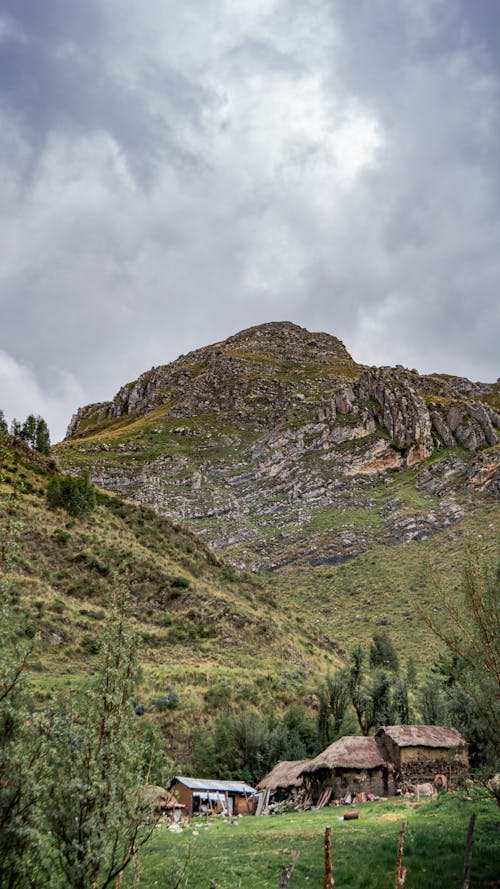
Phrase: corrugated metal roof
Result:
[214,784]
[422,735]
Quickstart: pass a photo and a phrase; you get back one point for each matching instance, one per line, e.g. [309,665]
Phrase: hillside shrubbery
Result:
[75,495]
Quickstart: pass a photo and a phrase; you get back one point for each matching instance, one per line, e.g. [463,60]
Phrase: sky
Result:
[174,172]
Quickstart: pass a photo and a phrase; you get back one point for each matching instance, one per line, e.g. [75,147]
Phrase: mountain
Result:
[279,450]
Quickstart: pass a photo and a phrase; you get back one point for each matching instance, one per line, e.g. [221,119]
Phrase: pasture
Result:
[250,853]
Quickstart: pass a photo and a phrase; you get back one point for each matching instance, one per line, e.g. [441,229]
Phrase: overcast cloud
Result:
[171,173]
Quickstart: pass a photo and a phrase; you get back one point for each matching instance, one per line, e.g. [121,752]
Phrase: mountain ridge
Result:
[263,441]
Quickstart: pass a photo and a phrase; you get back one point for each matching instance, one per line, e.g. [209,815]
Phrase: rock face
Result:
[277,447]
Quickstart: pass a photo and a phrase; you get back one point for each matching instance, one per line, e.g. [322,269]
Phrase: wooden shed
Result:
[348,767]
[200,795]
[420,752]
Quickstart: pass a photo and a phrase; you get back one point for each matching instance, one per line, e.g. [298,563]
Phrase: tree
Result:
[15,428]
[42,436]
[75,495]
[383,653]
[400,702]
[96,816]
[333,699]
[34,432]
[19,745]
[471,637]
[28,430]
[3,422]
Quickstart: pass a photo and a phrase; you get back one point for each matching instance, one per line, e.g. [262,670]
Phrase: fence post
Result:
[401,871]
[468,853]
[287,872]
[328,881]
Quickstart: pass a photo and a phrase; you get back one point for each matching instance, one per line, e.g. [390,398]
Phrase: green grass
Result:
[250,853]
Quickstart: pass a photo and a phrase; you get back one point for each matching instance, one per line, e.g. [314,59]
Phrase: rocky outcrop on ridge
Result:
[276,446]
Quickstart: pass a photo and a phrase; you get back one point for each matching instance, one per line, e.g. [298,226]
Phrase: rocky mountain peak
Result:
[278,447]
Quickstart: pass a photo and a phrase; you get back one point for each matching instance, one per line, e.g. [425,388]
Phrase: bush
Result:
[168,701]
[75,495]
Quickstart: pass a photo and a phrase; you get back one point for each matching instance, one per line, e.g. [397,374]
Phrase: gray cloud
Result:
[171,173]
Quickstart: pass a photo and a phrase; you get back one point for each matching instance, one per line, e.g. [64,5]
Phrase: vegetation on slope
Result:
[210,636]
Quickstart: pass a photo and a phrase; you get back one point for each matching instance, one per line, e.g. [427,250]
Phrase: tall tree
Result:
[42,436]
[96,815]
[471,636]
[19,743]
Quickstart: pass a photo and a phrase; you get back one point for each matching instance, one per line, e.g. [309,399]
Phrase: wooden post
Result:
[401,871]
[468,853]
[287,872]
[328,881]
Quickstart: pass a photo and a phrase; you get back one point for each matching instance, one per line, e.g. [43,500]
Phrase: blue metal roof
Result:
[214,784]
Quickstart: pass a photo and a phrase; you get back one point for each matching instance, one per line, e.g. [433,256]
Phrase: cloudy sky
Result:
[172,172]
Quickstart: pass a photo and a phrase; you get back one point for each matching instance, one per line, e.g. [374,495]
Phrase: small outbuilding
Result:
[205,795]
[420,752]
[281,784]
[348,767]
[161,802]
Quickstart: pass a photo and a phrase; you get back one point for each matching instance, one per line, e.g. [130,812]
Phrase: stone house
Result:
[420,752]
[352,765]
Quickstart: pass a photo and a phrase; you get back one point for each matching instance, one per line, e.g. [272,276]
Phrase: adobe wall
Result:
[184,795]
[424,763]
[353,781]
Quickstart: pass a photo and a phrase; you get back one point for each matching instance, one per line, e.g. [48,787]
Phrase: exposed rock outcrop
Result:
[278,447]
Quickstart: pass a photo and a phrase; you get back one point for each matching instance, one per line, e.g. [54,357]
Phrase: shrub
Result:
[167,701]
[75,495]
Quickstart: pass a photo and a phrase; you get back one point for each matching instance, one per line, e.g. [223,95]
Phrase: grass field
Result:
[250,853]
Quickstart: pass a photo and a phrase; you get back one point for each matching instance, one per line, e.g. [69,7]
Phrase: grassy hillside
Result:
[211,637]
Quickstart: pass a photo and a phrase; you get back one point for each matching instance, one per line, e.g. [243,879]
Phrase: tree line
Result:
[34,432]
[461,690]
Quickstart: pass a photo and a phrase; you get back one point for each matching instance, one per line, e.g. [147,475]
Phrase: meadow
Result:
[250,853]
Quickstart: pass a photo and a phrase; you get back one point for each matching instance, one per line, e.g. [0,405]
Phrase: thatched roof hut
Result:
[350,752]
[350,766]
[284,775]
[420,752]
[422,736]
[160,800]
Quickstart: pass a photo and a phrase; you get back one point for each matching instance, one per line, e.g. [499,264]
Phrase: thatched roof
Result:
[422,736]
[154,795]
[284,774]
[350,752]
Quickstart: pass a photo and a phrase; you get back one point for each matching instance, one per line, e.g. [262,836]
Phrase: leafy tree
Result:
[471,637]
[411,673]
[370,694]
[3,422]
[15,428]
[400,702]
[333,699]
[432,700]
[34,432]
[42,436]
[28,430]
[19,747]
[96,816]
[20,834]
[383,653]
[75,495]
